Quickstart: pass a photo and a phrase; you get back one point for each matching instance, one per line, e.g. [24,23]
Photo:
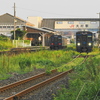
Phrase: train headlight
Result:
[89,44]
[78,44]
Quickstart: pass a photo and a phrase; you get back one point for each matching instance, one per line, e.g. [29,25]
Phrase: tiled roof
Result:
[9,19]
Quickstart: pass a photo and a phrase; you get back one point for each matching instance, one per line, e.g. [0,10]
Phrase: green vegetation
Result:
[5,43]
[23,63]
[18,33]
[27,41]
[84,83]
[26,62]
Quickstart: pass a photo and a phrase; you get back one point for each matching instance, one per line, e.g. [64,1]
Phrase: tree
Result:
[3,37]
[18,34]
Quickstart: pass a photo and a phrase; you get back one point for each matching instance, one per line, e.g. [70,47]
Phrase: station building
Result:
[67,24]
[40,26]
[34,33]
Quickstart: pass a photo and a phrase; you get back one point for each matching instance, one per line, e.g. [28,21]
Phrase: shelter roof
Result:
[41,29]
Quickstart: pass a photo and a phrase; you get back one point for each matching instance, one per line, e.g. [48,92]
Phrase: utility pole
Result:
[14,21]
[99,32]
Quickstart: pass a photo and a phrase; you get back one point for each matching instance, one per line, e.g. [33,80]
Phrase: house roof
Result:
[9,19]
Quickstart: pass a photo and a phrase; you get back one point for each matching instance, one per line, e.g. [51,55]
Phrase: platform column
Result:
[43,41]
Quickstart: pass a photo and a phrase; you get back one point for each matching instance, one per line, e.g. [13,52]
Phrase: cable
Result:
[47,12]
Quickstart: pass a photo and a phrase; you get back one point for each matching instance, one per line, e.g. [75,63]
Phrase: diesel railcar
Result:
[84,41]
[57,42]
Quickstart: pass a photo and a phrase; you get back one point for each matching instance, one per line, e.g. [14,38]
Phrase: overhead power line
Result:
[49,12]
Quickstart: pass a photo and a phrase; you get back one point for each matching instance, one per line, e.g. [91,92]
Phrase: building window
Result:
[8,26]
[17,26]
[4,26]
[86,25]
[0,26]
[60,22]
[70,22]
[77,25]
[12,26]
[81,25]
[93,22]
[81,22]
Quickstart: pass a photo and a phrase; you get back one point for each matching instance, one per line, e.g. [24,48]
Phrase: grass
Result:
[41,59]
[5,45]
[84,83]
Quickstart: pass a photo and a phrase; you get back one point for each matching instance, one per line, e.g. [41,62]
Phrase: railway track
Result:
[75,57]
[39,84]
[16,95]
[24,81]
[23,84]
[85,57]
[24,49]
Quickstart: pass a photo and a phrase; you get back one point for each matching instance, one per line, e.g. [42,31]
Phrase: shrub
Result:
[23,63]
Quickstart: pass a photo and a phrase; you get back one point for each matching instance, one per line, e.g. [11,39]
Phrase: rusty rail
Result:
[84,56]
[84,60]
[74,59]
[24,81]
[18,95]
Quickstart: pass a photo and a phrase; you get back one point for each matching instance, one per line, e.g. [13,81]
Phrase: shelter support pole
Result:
[43,41]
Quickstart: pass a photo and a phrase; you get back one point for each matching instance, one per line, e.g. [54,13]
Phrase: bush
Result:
[45,62]
[23,63]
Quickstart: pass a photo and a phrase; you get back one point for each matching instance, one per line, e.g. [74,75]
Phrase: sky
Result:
[51,8]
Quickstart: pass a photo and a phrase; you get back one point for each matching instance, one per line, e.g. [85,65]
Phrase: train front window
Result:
[84,38]
[56,39]
[59,39]
[52,39]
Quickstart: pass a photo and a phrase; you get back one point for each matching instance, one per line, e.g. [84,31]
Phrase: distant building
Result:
[64,26]
[7,24]
[72,24]
[67,24]
[36,21]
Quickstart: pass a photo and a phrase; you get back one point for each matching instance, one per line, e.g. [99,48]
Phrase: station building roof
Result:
[50,22]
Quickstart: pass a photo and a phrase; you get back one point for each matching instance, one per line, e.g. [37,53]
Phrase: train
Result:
[84,41]
[58,42]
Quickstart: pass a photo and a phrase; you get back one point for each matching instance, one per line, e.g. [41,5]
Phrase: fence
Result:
[21,43]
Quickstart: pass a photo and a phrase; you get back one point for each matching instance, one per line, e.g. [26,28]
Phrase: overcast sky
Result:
[52,8]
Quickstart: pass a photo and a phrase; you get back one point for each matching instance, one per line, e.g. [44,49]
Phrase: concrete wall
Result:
[36,21]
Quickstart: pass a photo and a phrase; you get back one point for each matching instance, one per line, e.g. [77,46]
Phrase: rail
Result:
[23,81]
[18,95]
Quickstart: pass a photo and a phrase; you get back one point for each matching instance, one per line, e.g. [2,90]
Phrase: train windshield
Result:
[59,39]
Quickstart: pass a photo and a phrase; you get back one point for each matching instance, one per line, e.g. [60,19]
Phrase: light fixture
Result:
[89,44]
[78,44]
